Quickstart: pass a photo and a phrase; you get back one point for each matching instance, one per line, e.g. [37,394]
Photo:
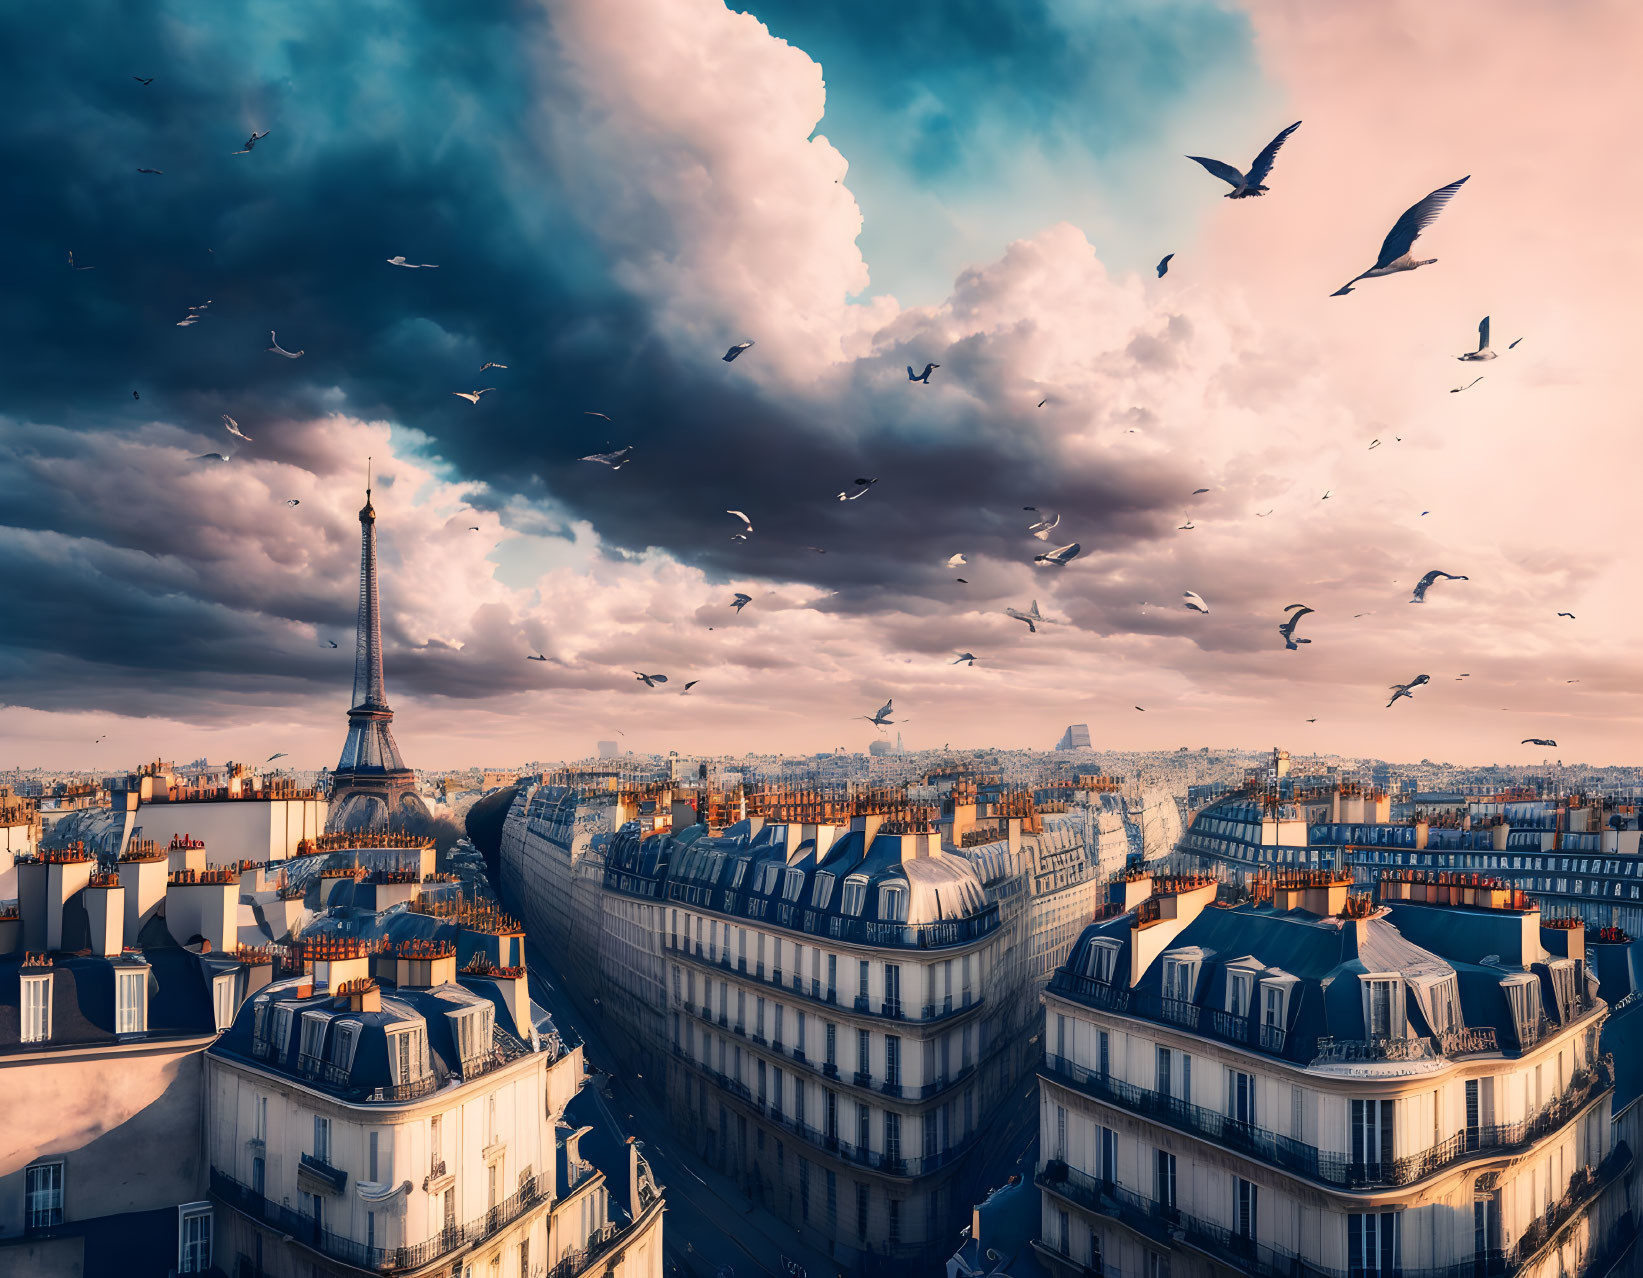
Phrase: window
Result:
[892,1060]
[1383,1006]
[864,1117]
[434,1159]
[1061,1132]
[408,1052]
[36,1008]
[864,1061]
[1104,1055]
[861,1210]
[1109,1156]
[43,1195]
[342,1045]
[832,1198]
[222,1000]
[893,903]
[1239,986]
[322,1139]
[861,991]
[1372,1244]
[193,1238]
[474,1031]
[1179,975]
[792,886]
[855,894]
[1371,1132]
[1100,959]
[1241,1097]
[1163,1077]
[1163,1179]
[313,1034]
[131,1000]
[823,894]
[371,1159]
[832,1044]
[1245,1208]
[892,1136]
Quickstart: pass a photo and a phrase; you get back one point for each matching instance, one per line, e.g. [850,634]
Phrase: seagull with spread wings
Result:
[233,428]
[1163,265]
[620,458]
[1407,689]
[880,717]
[1045,526]
[275,348]
[1539,741]
[252,141]
[399,260]
[741,601]
[1245,185]
[741,536]
[650,680]
[1287,627]
[1425,583]
[966,659]
[736,350]
[1193,600]
[473,396]
[1060,557]
[1395,255]
[1483,351]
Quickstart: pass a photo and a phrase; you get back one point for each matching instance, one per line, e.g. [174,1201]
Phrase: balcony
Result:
[863,1003]
[892,1008]
[310,1233]
[1327,1166]
[863,1078]
[830,1069]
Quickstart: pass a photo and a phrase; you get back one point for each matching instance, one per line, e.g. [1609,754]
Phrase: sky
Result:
[614,194]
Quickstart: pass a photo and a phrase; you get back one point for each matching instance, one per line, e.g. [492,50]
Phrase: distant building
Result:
[372,789]
[19,836]
[1320,1084]
[880,747]
[1076,737]
[608,749]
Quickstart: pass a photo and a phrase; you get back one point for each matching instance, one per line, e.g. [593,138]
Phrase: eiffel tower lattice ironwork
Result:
[371,786]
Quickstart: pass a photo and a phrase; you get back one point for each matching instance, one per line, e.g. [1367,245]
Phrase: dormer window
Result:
[1563,987]
[769,877]
[1101,959]
[280,1036]
[37,1008]
[823,894]
[893,903]
[131,1000]
[1383,1014]
[855,894]
[343,1043]
[1180,978]
[1520,997]
[408,1054]
[223,1000]
[1240,991]
[737,875]
[793,885]
[473,1033]
[313,1036]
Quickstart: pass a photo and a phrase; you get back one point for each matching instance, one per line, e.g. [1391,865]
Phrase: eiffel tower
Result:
[371,789]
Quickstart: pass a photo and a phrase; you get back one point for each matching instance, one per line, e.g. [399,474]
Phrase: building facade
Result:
[1317,1084]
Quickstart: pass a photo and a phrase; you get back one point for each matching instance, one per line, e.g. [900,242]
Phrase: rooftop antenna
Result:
[367,477]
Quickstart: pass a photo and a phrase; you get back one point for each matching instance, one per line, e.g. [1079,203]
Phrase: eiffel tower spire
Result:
[371,786]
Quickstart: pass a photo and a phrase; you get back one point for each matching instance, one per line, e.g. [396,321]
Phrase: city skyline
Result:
[994,202]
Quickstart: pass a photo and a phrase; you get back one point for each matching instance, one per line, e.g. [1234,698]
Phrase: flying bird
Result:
[1163,265]
[156,172]
[78,268]
[473,396]
[1539,741]
[620,458]
[412,266]
[252,141]
[1186,527]
[1483,351]
[332,642]
[1196,491]
[963,581]
[650,681]
[852,496]
[741,601]
[1193,600]
[921,377]
[1569,615]
[1374,444]
[493,364]
[741,536]
[1456,390]
[585,413]
[1395,256]
[880,717]
[1325,497]
[966,658]
[1425,583]
[213,457]
[1245,185]
[1513,346]
[1031,616]
[473,527]
[736,350]
[293,501]
[1262,514]
[272,757]
[1287,627]
[538,657]
[140,80]
[1044,527]
[233,428]
[1142,709]
[689,686]
[135,395]
[1060,557]
[1407,689]
[275,348]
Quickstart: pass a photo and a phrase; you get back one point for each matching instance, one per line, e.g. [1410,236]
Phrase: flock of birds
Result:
[1396,256]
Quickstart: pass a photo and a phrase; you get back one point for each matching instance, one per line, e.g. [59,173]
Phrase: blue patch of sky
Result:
[971,123]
